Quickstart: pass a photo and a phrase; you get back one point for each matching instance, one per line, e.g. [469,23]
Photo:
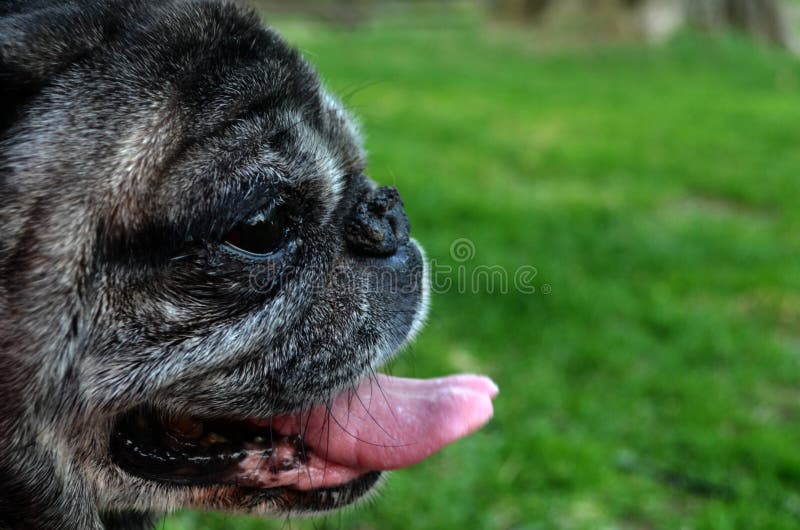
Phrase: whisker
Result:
[374,377]
[303,430]
[386,446]
[359,87]
[327,426]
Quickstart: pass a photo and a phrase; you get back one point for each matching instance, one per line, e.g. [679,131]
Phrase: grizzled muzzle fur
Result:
[188,241]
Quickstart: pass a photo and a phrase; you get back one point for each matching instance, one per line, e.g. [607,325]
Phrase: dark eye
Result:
[260,235]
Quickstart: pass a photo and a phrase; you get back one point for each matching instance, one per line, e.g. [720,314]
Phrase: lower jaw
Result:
[320,499]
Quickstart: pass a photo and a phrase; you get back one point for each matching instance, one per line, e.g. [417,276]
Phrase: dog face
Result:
[197,275]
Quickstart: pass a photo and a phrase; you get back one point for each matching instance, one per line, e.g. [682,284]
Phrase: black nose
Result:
[378,224]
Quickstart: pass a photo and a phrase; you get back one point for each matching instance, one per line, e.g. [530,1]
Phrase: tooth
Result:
[259,440]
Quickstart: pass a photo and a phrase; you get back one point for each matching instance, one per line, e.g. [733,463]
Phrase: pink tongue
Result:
[391,422]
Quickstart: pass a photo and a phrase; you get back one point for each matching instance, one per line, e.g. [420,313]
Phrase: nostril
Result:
[382,200]
[378,224]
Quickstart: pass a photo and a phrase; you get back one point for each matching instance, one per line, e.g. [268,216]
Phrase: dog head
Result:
[197,276]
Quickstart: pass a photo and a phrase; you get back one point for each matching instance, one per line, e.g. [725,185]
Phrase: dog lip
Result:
[283,469]
[323,499]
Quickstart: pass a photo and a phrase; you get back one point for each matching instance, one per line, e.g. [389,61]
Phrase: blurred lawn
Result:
[656,191]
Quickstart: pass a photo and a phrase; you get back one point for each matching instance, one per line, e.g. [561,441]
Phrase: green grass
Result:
[656,192]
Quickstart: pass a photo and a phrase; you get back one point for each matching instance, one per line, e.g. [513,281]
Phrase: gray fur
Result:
[133,136]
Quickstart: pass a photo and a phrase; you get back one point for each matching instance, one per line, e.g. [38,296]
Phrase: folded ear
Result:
[39,39]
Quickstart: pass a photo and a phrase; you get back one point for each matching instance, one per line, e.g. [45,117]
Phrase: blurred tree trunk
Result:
[347,13]
[527,9]
[765,19]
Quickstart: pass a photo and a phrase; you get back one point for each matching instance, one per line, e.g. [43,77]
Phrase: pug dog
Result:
[198,281]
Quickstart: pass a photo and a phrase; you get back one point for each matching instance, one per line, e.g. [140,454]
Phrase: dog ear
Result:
[39,39]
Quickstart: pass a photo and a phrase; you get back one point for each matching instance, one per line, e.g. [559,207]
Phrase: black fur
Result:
[133,136]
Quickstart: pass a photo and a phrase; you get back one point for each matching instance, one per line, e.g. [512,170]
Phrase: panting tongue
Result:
[391,422]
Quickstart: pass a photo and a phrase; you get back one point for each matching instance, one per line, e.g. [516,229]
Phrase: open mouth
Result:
[335,451]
